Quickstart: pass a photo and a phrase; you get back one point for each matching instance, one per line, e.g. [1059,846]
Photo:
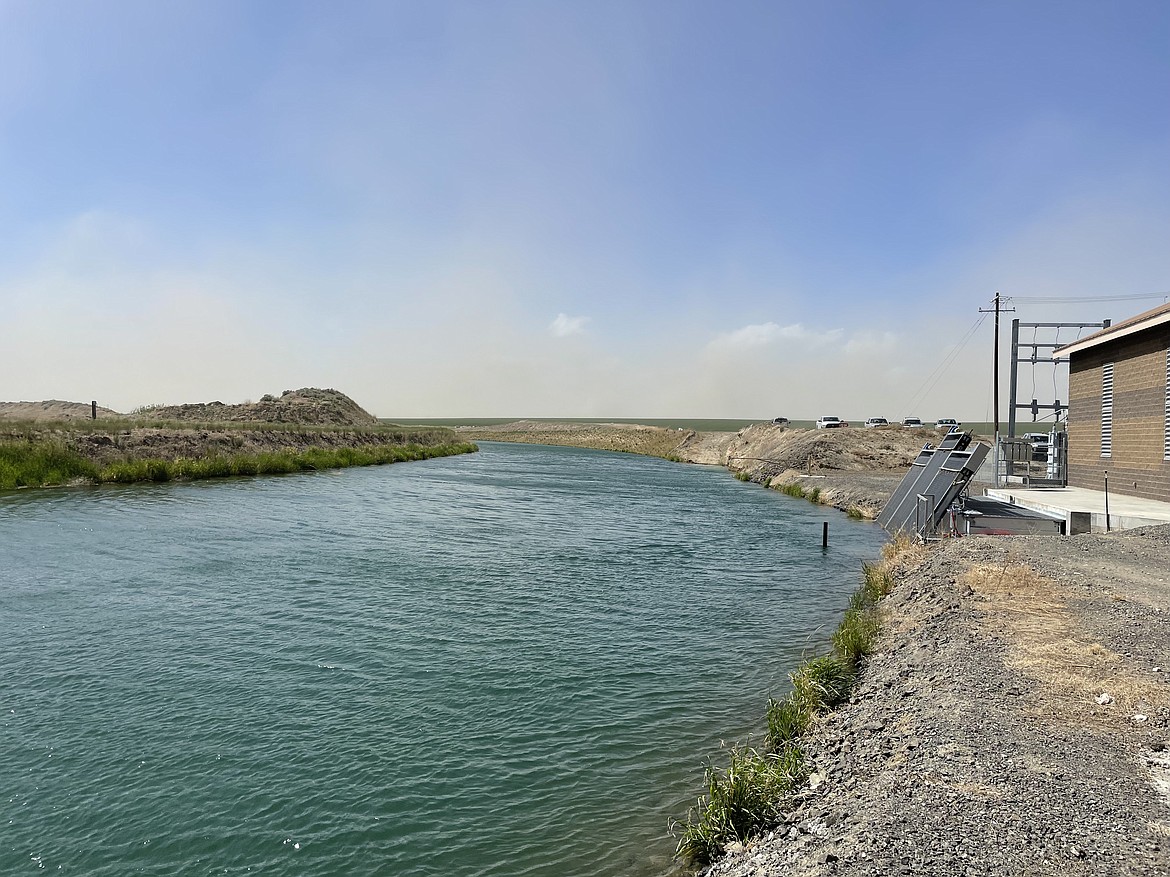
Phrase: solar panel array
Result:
[939,474]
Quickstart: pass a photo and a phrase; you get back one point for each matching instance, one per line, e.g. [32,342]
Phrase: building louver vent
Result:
[1166,422]
[1107,409]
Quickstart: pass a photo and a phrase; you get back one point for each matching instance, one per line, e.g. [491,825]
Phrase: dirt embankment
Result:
[297,420]
[53,410]
[150,443]
[851,469]
[1016,721]
[652,441]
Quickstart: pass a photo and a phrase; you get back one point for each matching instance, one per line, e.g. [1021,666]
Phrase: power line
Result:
[1070,299]
[940,369]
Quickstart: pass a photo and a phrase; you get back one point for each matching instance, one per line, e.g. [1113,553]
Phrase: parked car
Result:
[911,423]
[780,421]
[947,423]
[830,423]
[876,421]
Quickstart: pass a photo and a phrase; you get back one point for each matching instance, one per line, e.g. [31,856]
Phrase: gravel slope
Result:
[1015,722]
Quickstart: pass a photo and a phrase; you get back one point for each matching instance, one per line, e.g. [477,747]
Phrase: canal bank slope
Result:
[55,442]
[853,470]
[1015,720]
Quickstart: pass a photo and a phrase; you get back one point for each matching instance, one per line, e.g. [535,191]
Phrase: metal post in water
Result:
[825,535]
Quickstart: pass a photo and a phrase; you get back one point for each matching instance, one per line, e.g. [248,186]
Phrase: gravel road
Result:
[1016,721]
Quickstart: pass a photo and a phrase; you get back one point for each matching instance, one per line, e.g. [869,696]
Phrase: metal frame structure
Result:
[1034,406]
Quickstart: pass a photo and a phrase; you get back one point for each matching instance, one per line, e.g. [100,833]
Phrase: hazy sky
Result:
[722,209]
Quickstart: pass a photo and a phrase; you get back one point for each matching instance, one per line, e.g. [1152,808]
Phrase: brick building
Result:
[1119,407]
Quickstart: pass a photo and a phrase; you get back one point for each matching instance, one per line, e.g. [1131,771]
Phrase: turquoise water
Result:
[509,663]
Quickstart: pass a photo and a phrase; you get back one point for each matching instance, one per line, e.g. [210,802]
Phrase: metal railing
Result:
[1032,464]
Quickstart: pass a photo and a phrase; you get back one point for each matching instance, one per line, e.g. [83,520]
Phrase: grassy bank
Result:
[748,796]
[45,463]
[388,433]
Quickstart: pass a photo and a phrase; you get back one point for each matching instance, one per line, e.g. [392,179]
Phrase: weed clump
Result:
[742,799]
[787,720]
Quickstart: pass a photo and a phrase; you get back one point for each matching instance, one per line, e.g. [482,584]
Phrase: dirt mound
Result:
[305,406]
[52,409]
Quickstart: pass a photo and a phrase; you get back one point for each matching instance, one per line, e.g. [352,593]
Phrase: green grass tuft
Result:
[787,720]
[854,638]
[742,800]
[823,683]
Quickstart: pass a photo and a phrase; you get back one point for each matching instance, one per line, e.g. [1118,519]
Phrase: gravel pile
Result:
[1015,722]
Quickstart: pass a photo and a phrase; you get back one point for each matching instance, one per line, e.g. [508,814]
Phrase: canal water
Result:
[507,663]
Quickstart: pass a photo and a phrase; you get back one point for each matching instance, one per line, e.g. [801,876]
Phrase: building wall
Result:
[1136,467]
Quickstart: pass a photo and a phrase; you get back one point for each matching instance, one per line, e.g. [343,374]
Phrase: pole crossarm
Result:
[1035,346]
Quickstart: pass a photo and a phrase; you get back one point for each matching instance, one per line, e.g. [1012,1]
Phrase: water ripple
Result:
[511,664]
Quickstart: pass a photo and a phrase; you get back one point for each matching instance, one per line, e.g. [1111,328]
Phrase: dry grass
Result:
[1047,644]
[904,552]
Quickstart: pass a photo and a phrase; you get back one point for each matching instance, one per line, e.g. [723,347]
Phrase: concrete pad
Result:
[1084,510]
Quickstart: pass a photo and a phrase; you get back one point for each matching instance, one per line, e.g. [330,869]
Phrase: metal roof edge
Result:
[1113,333]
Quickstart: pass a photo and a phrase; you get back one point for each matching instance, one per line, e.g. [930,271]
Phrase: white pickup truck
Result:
[830,423]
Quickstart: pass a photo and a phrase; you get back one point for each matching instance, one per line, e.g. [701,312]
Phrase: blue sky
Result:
[568,209]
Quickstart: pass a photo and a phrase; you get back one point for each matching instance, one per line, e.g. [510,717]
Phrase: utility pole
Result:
[995,380]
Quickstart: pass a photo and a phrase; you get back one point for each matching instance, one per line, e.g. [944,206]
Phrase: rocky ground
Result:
[1016,721]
